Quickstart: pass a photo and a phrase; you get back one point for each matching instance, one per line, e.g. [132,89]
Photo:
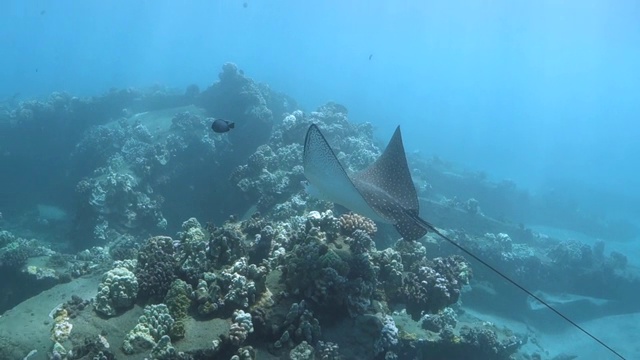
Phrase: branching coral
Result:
[227,244]
[152,326]
[178,301]
[435,286]
[118,290]
[437,322]
[241,327]
[236,286]
[351,222]
[191,251]
[314,270]
[388,335]
[299,325]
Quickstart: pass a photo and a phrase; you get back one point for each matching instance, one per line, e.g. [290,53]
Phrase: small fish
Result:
[42,12]
[222,126]
[370,56]
[244,4]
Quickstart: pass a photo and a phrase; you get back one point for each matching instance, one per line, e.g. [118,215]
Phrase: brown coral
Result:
[351,222]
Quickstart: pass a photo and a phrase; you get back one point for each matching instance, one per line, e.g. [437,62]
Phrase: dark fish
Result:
[222,126]
[244,4]
[370,56]
[385,192]
[42,12]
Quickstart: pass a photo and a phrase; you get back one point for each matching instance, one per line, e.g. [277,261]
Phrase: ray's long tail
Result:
[430,227]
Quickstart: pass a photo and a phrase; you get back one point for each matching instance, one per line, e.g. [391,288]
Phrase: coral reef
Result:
[124,248]
[75,305]
[93,347]
[118,290]
[236,286]
[152,326]
[370,336]
[351,222]
[114,200]
[156,268]
[16,251]
[321,268]
[571,254]
[477,342]
[302,351]
[241,327]
[391,271]
[327,351]
[61,326]
[207,295]
[6,237]
[25,269]
[250,239]
[272,278]
[273,173]
[133,159]
[178,300]
[435,286]
[60,113]
[550,264]
[266,179]
[226,245]
[192,248]
[437,322]
[253,105]
[316,271]
[322,271]
[486,342]
[299,325]
[388,336]
[134,166]
[164,350]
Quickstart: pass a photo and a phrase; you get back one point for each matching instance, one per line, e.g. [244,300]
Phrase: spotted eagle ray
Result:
[385,192]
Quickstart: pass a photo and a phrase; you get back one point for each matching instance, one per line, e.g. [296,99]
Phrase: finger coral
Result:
[118,290]
[351,222]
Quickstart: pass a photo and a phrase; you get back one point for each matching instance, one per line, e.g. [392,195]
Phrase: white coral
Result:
[152,326]
[241,328]
[118,290]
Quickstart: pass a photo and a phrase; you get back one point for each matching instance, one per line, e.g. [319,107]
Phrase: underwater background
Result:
[117,200]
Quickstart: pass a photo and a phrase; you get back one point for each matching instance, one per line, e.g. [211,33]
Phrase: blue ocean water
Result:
[545,94]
